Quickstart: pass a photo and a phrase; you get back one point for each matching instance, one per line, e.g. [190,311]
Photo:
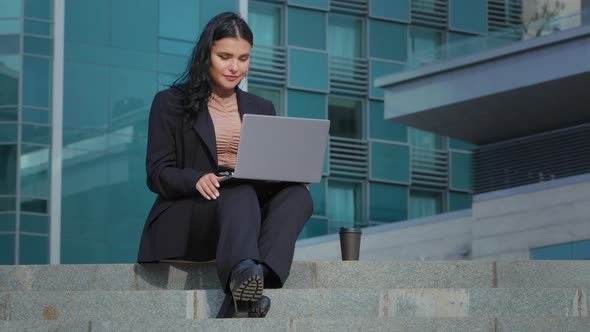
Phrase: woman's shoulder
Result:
[169,101]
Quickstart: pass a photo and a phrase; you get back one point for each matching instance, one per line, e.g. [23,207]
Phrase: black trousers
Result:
[259,221]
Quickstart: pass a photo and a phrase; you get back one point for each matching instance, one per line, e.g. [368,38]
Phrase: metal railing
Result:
[430,13]
[268,65]
[349,157]
[354,7]
[349,76]
[429,167]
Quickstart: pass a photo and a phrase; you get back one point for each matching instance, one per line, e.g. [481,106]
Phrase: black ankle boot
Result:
[246,281]
[259,309]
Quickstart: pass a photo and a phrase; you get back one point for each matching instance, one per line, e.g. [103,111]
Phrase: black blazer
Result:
[181,148]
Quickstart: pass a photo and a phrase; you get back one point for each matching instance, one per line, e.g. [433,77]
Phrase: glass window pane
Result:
[345,36]
[264,20]
[39,9]
[10,8]
[273,95]
[7,169]
[9,73]
[581,250]
[34,223]
[9,27]
[425,45]
[314,227]
[7,220]
[34,174]
[38,28]
[555,252]
[34,249]
[307,28]
[424,139]
[318,194]
[344,204]
[384,129]
[36,205]
[390,162]
[175,47]
[7,204]
[142,34]
[306,104]
[35,116]
[308,70]
[8,115]
[459,201]
[461,171]
[36,81]
[345,118]
[36,134]
[9,44]
[388,202]
[179,19]
[424,203]
[388,40]
[8,132]
[37,45]
[7,249]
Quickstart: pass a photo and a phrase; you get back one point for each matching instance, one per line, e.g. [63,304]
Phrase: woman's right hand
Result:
[207,186]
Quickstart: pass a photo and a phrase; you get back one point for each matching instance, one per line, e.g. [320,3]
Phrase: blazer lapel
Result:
[203,125]
[245,103]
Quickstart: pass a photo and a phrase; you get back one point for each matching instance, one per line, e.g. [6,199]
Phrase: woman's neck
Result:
[223,93]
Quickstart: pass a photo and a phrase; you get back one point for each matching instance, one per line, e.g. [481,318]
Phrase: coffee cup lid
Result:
[350,230]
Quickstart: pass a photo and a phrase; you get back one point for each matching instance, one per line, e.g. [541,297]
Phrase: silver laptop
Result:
[276,148]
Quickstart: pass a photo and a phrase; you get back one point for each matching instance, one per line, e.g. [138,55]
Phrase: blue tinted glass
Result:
[85,101]
[308,70]
[165,80]
[34,249]
[9,27]
[581,250]
[101,55]
[318,193]
[88,21]
[314,227]
[34,223]
[468,15]
[142,34]
[461,171]
[10,8]
[7,204]
[319,4]
[131,93]
[346,117]
[8,175]
[34,171]
[307,28]
[273,95]
[388,202]
[36,116]
[10,65]
[38,9]
[36,134]
[172,64]
[33,204]
[378,69]
[384,129]
[345,36]
[9,44]
[7,249]
[179,19]
[264,20]
[390,162]
[176,47]
[393,10]
[212,8]
[425,45]
[306,104]
[36,81]
[35,45]
[7,220]
[38,28]
[461,145]
[556,252]
[8,132]
[344,205]
[8,115]
[424,203]
[388,40]
[459,201]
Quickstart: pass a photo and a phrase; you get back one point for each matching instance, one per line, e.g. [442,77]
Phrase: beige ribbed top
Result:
[227,123]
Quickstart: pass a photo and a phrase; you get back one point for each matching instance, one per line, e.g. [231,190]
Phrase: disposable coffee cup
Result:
[350,243]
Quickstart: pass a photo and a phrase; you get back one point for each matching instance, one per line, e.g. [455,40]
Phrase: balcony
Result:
[349,76]
[348,157]
[429,167]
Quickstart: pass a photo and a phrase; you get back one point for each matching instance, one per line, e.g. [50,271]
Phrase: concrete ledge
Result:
[301,303]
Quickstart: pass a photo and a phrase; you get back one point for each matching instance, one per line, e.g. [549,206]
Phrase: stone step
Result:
[410,274]
[411,324]
[298,303]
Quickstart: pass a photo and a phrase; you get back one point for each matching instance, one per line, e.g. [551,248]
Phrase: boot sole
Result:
[249,289]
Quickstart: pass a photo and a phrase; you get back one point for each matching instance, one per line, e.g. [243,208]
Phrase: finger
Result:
[201,191]
[210,189]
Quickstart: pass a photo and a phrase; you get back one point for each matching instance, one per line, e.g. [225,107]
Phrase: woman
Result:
[249,229]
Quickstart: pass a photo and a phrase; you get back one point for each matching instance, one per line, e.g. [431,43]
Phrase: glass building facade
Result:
[77,78]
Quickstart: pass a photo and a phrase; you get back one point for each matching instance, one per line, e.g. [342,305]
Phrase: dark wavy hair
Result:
[196,82]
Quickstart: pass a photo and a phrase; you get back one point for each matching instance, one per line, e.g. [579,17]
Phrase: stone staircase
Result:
[319,296]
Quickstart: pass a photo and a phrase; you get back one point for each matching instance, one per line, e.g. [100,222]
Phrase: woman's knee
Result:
[300,194]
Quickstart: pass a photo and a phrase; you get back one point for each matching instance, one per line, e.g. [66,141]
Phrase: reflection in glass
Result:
[344,204]
[10,8]
[34,171]
[7,169]
[273,95]
[264,20]
[426,45]
[344,36]
[7,204]
[424,203]
[36,81]
[9,72]
[345,117]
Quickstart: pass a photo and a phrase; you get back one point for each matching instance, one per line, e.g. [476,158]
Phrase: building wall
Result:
[547,220]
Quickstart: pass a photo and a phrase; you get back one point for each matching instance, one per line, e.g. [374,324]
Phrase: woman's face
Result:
[230,59]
